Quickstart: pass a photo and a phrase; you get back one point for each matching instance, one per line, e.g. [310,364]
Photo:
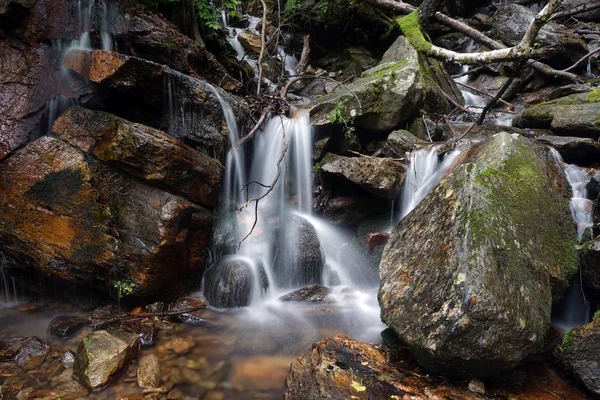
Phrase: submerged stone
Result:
[468,277]
[32,353]
[310,293]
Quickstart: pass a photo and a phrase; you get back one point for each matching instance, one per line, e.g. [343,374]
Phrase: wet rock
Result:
[32,353]
[574,115]
[579,352]
[574,150]
[68,359]
[29,78]
[379,176]
[342,368]
[472,241]
[77,219]
[101,355]
[231,283]
[568,5]
[7,393]
[511,21]
[148,373]
[400,142]
[299,258]
[157,307]
[180,345]
[590,265]
[65,326]
[136,89]
[66,386]
[188,303]
[350,211]
[144,152]
[250,41]
[362,56]
[310,293]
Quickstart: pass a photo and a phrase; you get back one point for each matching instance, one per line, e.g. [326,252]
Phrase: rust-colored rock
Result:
[144,152]
[143,91]
[342,368]
[250,41]
[77,219]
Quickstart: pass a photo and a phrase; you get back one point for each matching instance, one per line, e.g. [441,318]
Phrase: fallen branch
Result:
[483,93]
[163,314]
[304,56]
[576,10]
[262,45]
[263,116]
[270,187]
[582,60]
[501,91]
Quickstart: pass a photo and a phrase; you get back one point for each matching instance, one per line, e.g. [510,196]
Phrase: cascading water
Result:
[574,310]
[8,287]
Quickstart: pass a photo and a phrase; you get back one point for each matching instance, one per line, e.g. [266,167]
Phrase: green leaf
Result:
[358,386]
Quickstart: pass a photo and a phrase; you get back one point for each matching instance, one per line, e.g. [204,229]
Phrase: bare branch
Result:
[254,130]
[517,68]
[262,44]
[483,93]
[304,57]
[582,60]
[538,22]
[576,10]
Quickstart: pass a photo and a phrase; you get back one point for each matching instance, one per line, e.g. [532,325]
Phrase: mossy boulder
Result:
[575,115]
[468,277]
[580,353]
[379,176]
[389,94]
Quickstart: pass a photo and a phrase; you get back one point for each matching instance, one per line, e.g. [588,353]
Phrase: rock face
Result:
[32,353]
[101,355]
[510,23]
[144,152]
[299,259]
[69,216]
[468,277]
[379,176]
[390,93]
[399,142]
[185,107]
[350,211]
[29,78]
[232,282]
[310,293]
[574,115]
[573,150]
[579,352]
[342,368]
[590,265]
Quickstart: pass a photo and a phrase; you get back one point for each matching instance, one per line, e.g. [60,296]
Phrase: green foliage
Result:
[207,10]
[317,167]
[124,288]
[336,117]
[566,342]
[596,315]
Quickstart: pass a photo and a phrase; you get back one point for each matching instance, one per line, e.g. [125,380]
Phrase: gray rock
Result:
[379,176]
[350,211]
[574,115]
[68,359]
[101,355]
[148,373]
[310,293]
[399,143]
[590,265]
[574,150]
[32,353]
[231,283]
[568,5]
[467,280]
[299,258]
[400,50]
[580,353]
[65,326]
[510,23]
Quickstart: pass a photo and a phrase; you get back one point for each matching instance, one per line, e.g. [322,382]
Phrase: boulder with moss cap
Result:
[469,276]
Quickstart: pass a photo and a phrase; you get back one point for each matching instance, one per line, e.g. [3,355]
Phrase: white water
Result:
[8,287]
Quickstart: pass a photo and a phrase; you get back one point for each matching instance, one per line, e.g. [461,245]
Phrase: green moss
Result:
[384,70]
[568,340]
[594,96]
[411,28]
[57,188]
[596,315]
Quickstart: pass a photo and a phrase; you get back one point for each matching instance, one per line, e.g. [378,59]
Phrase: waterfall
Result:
[105,29]
[8,291]
[426,168]
[573,310]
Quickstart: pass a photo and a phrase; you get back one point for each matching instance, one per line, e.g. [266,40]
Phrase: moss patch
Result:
[594,96]
[411,28]
[57,188]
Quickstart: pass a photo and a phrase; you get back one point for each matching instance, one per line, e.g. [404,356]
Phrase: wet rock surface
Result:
[311,293]
[399,142]
[350,211]
[299,259]
[580,353]
[101,355]
[573,150]
[79,220]
[232,282]
[65,326]
[379,176]
[148,373]
[31,353]
[143,152]
[495,285]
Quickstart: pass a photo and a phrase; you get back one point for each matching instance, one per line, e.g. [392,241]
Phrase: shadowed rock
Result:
[310,293]
[144,152]
[231,283]
[469,276]
[580,354]
[65,326]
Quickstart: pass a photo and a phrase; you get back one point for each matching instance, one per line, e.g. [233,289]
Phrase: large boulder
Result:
[232,282]
[467,278]
[29,78]
[574,115]
[101,355]
[69,216]
[144,152]
[379,176]
[299,258]
[187,108]
[511,22]
[573,150]
[389,94]
[580,354]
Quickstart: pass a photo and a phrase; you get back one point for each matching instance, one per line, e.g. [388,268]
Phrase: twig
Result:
[304,56]
[147,315]
[270,187]
[467,131]
[502,90]
[468,72]
[581,60]
[262,44]
[261,120]
[484,93]
[575,10]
